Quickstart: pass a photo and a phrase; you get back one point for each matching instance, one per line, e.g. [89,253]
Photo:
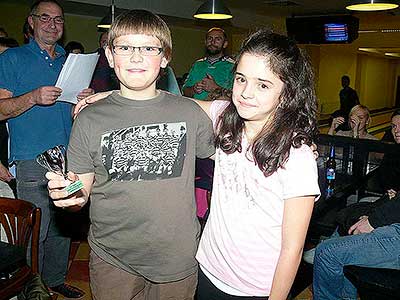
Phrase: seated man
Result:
[373,241]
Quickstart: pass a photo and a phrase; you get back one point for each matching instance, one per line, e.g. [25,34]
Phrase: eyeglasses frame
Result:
[50,18]
[160,50]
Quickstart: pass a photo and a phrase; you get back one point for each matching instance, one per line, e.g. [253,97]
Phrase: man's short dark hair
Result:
[26,28]
[8,42]
[72,45]
[35,5]
[3,31]
[101,35]
[345,77]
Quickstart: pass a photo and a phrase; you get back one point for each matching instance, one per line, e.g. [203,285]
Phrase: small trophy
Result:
[54,161]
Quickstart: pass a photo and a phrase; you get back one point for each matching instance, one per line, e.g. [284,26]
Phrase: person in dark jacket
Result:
[389,171]
[386,178]
[348,96]
[104,78]
[348,99]
[373,241]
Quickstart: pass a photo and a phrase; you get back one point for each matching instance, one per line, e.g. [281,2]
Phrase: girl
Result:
[265,179]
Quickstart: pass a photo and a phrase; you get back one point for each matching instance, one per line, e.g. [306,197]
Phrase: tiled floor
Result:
[78,274]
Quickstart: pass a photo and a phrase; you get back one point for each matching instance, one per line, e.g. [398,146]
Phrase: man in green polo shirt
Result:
[211,75]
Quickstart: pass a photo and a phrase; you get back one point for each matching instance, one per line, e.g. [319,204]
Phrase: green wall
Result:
[188,46]
[378,80]
[373,77]
[12,18]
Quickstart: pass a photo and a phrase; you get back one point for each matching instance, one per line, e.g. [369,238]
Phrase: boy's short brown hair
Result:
[140,21]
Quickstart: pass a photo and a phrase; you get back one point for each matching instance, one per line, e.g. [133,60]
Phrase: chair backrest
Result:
[20,221]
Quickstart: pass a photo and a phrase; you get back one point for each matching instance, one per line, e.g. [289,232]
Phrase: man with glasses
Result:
[36,123]
[211,77]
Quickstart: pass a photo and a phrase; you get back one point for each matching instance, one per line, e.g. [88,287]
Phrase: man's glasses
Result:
[125,50]
[46,18]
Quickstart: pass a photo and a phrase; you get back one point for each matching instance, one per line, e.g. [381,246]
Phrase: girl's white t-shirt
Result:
[241,243]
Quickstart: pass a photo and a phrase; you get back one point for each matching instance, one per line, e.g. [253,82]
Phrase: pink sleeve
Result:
[216,109]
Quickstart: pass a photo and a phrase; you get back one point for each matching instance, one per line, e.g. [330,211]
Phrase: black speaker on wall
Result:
[323,29]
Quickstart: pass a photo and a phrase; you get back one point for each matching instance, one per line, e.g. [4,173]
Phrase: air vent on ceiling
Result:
[280,3]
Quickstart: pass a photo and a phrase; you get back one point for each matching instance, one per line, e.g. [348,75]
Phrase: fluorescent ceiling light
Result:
[371,50]
[393,54]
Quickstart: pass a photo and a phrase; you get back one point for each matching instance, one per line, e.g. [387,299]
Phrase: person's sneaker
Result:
[68,291]
[308,256]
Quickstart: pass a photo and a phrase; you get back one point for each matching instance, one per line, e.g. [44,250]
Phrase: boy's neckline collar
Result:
[147,102]
[157,93]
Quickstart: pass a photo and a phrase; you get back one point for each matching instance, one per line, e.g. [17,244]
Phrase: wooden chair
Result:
[20,220]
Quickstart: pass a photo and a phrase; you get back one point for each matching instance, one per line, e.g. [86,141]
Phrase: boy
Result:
[134,152]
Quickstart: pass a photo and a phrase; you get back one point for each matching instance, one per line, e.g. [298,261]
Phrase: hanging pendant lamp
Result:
[109,18]
[372,5]
[213,10]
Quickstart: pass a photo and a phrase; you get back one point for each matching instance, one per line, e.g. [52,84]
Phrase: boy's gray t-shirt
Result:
[142,209]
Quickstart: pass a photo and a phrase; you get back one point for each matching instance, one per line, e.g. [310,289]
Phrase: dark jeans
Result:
[207,291]
[53,246]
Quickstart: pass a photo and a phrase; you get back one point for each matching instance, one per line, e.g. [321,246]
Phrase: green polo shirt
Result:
[221,71]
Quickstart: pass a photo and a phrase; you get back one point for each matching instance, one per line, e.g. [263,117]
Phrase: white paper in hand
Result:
[76,75]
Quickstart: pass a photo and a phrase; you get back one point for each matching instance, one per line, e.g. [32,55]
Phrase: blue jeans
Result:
[53,246]
[378,249]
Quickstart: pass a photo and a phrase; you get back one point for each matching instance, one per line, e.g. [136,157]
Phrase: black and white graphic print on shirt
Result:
[145,152]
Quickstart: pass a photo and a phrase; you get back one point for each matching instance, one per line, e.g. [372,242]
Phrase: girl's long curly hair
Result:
[293,122]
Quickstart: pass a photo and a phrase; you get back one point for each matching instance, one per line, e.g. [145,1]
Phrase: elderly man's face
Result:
[47,33]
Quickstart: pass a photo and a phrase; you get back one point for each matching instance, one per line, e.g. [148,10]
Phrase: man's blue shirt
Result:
[22,70]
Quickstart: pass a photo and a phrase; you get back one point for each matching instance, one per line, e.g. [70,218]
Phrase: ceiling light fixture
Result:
[371,50]
[109,18]
[213,10]
[392,54]
[372,5]
[368,31]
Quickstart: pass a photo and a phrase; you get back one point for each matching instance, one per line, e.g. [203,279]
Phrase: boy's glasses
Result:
[46,18]
[125,50]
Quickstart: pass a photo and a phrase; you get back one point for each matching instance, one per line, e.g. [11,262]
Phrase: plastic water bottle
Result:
[330,172]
